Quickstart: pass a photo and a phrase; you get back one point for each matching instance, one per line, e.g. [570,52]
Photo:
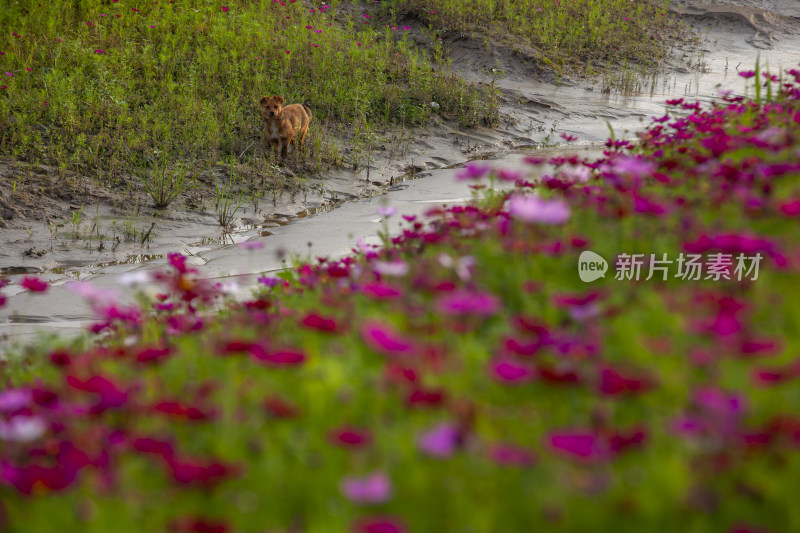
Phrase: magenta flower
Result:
[472,171]
[379,524]
[385,339]
[26,479]
[350,437]
[381,291]
[464,302]
[99,51]
[511,372]
[318,322]
[613,383]
[192,472]
[746,74]
[537,210]
[109,394]
[441,442]
[579,445]
[34,284]
[790,208]
[224,9]
[371,489]
[279,358]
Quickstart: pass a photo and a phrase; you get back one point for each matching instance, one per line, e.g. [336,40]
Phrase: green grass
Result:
[590,34]
[96,84]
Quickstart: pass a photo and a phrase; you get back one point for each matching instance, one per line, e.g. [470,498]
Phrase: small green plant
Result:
[76,223]
[163,182]
[228,202]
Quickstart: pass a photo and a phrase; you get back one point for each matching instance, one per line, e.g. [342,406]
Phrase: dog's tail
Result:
[308,110]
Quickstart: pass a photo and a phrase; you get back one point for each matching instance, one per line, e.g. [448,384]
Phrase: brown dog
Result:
[284,125]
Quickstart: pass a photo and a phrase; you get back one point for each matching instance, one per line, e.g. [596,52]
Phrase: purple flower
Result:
[251,245]
[441,441]
[535,209]
[14,399]
[371,489]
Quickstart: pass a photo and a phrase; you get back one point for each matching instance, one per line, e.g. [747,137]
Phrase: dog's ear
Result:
[263,100]
[279,99]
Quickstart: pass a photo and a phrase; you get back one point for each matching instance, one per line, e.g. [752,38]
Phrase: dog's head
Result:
[271,106]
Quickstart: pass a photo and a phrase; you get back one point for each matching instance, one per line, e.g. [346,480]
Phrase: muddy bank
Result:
[411,171]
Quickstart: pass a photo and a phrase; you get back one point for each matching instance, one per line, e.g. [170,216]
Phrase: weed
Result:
[162,182]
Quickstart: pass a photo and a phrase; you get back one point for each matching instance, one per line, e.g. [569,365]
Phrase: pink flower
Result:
[22,428]
[397,268]
[387,211]
[511,455]
[441,442]
[538,210]
[371,489]
[99,51]
[224,9]
[34,284]
[95,295]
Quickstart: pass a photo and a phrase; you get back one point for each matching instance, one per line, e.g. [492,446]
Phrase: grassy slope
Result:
[89,84]
[587,34]
[92,82]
